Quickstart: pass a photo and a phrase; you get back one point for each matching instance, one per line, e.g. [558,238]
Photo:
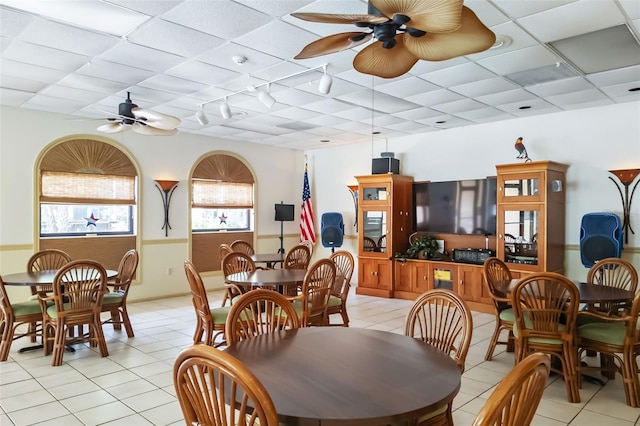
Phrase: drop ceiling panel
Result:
[623,75]
[174,38]
[202,73]
[141,57]
[519,60]
[459,74]
[100,68]
[434,97]
[559,87]
[44,56]
[67,38]
[484,87]
[571,19]
[13,23]
[406,87]
[12,97]
[172,84]
[511,96]
[28,71]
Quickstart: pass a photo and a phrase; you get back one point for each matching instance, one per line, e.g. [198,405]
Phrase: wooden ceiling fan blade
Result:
[334,18]
[332,44]
[113,128]
[385,63]
[152,131]
[426,15]
[156,119]
[472,37]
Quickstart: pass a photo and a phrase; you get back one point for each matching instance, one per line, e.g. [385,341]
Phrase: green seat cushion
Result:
[53,312]
[112,297]
[605,332]
[527,323]
[587,319]
[26,308]
[507,315]
[220,314]
[335,301]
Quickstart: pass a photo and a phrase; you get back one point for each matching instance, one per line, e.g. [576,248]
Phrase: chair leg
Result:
[115,319]
[98,335]
[59,345]
[345,317]
[631,377]
[494,341]
[7,338]
[127,323]
[570,373]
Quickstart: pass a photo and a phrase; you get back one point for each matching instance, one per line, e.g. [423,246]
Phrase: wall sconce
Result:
[626,177]
[354,193]
[166,188]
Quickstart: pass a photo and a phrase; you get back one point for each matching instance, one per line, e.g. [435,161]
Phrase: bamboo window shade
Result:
[221,180]
[87,171]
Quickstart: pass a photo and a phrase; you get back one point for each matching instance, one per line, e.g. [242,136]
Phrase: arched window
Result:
[87,188]
[222,202]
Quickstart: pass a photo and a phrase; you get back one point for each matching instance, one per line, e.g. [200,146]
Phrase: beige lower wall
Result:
[161,270]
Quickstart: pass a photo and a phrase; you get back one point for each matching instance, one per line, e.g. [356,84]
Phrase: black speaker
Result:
[332,229]
[600,237]
[284,212]
[381,166]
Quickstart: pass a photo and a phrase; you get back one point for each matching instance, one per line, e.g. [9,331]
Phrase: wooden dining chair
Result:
[312,303]
[234,263]
[612,272]
[340,291]
[617,339]
[78,292]
[298,257]
[545,305]
[46,259]
[242,247]
[515,399]
[497,277]
[308,244]
[115,300]
[442,319]
[209,321]
[206,379]
[259,312]
[13,316]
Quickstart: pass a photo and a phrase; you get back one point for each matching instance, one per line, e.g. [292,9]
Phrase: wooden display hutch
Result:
[531,216]
[385,211]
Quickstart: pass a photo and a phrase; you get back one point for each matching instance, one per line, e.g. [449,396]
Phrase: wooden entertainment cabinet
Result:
[530,234]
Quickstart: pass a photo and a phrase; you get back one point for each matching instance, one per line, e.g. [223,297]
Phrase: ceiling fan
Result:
[143,121]
[404,32]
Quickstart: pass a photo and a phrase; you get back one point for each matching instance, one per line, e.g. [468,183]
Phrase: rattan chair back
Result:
[242,247]
[344,271]
[515,400]
[206,379]
[298,257]
[115,302]
[259,312]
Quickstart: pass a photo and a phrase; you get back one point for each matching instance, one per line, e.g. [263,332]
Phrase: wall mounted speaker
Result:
[600,237]
[332,229]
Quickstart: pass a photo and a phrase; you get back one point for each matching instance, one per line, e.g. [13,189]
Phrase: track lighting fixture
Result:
[225,110]
[201,116]
[325,82]
[264,96]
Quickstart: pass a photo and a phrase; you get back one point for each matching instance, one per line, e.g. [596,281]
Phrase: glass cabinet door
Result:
[519,234]
[523,187]
[374,230]
[377,194]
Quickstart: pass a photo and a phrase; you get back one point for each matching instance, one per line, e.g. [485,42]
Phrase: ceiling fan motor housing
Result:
[124,110]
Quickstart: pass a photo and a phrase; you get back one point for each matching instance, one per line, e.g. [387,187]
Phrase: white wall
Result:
[592,141]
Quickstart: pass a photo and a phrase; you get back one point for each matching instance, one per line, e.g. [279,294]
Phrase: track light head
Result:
[201,116]
[266,98]
[225,109]
[325,84]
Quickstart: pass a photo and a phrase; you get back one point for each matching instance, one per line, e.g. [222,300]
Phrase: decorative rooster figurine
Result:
[522,151]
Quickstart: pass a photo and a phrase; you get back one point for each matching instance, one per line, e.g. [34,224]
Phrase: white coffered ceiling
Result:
[81,57]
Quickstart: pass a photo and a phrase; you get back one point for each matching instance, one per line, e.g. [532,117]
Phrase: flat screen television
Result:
[456,207]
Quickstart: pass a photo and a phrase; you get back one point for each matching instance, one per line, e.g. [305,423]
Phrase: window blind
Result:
[64,187]
[207,193]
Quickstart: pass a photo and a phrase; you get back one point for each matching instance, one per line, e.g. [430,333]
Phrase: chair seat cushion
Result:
[112,297]
[507,315]
[220,314]
[334,301]
[605,332]
[587,319]
[29,307]
[538,339]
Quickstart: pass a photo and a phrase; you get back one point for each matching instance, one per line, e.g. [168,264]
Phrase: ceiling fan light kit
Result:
[404,32]
[265,97]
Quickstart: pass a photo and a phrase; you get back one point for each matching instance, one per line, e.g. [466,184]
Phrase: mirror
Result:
[375,231]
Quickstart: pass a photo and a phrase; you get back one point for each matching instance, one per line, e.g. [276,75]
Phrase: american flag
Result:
[307,231]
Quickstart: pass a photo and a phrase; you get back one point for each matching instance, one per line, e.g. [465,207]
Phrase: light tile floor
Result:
[133,386]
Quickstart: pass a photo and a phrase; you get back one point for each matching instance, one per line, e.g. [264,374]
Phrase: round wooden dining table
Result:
[349,376]
[36,278]
[590,293]
[270,259]
[268,277]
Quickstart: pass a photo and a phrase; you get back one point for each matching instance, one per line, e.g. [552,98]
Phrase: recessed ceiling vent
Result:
[540,75]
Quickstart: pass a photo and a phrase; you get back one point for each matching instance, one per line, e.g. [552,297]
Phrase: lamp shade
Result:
[626,176]
[167,185]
